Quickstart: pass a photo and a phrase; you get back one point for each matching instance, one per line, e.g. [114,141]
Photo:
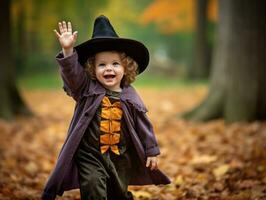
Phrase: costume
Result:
[108,168]
[101,146]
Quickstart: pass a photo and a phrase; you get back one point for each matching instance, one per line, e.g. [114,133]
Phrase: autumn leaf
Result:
[220,171]
[142,195]
[201,159]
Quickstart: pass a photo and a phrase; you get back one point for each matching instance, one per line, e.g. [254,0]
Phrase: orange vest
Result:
[110,125]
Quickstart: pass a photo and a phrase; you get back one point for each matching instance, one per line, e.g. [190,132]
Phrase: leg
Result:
[92,186]
[92,177]
[117,185]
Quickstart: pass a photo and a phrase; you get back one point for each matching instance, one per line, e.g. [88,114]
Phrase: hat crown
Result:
[103,28]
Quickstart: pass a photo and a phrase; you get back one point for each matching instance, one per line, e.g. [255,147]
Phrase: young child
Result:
[110,142]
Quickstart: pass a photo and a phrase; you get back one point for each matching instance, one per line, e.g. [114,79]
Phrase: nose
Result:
[109,67]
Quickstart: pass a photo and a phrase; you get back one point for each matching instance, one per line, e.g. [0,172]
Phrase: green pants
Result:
[103,176]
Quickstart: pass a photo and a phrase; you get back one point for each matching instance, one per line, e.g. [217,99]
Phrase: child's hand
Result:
[65,37]
[152,162]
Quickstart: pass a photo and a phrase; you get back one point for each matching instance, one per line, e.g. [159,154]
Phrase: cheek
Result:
[98,72]
[121,71]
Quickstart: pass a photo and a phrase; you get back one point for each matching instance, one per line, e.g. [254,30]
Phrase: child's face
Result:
[109,69]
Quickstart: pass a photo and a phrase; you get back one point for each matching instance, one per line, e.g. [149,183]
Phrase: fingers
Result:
[69,27]
[75,35]
[148,162]
[152,163]
[64,27]
[57,34]
[60,27]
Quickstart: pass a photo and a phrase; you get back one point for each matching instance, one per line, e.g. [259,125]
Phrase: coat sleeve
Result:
[146,133]
[73,74]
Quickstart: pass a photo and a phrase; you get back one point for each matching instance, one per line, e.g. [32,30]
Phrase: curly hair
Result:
[129,64]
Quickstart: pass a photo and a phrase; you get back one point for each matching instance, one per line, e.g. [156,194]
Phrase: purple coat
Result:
[88,95]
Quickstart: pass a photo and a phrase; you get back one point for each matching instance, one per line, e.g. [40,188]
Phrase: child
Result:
[110,142]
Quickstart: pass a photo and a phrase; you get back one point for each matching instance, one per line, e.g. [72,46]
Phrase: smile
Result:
[109,76]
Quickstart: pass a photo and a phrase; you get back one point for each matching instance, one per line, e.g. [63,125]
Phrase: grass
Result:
[41,81]
[53,81]
[163,81]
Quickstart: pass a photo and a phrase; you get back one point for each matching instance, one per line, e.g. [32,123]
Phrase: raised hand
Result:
[66,38]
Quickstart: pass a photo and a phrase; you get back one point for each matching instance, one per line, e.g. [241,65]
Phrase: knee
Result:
[93,187]
[93,180]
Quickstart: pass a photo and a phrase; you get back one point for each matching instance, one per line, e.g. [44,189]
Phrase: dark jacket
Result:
[88,95]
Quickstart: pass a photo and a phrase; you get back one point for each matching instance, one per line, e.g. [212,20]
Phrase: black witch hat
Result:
[104,38]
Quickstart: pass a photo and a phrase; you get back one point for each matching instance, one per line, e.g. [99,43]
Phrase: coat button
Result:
[86,114]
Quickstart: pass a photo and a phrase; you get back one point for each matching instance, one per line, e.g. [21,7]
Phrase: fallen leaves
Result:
[220,171]
[204,160]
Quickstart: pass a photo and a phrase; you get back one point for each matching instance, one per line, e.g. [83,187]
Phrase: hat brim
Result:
[132,48]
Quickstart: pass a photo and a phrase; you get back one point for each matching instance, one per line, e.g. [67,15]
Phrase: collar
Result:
[128,94]
[94,88]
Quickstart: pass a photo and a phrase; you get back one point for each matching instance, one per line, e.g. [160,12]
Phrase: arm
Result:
[146,134]
[73,74]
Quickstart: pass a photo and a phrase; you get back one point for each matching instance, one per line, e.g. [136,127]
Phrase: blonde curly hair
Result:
[129,64]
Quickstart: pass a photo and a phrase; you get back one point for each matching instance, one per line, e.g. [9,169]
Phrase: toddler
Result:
[110,142]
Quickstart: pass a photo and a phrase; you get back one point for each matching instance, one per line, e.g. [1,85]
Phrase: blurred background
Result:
[168,28]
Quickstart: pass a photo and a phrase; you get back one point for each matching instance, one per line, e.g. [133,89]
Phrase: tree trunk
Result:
[11,102]
[201,64]
[21,38]
[238,84]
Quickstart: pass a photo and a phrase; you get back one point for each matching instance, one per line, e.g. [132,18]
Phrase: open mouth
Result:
[109,76]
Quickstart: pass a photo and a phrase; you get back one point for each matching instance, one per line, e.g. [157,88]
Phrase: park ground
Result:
[212,160]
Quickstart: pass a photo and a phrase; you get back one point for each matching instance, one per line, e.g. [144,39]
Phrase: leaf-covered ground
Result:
[204,160]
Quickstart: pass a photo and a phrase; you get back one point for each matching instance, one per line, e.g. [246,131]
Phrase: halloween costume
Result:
[107,133]
[109,166]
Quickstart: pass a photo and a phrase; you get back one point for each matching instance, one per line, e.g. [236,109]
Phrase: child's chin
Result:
[109,84]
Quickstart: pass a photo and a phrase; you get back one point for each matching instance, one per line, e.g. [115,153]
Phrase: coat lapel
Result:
[130,95]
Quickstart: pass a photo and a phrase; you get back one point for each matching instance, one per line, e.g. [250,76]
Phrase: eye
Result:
[101,65]
[116,64]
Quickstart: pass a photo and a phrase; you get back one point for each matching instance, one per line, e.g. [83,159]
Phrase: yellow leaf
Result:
[31,168]
[179,180]
[142,194]
[221,170]
[203,159]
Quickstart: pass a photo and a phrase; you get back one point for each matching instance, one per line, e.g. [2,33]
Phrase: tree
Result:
[11,102]
[20,35]
[201,64]
[238,84]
